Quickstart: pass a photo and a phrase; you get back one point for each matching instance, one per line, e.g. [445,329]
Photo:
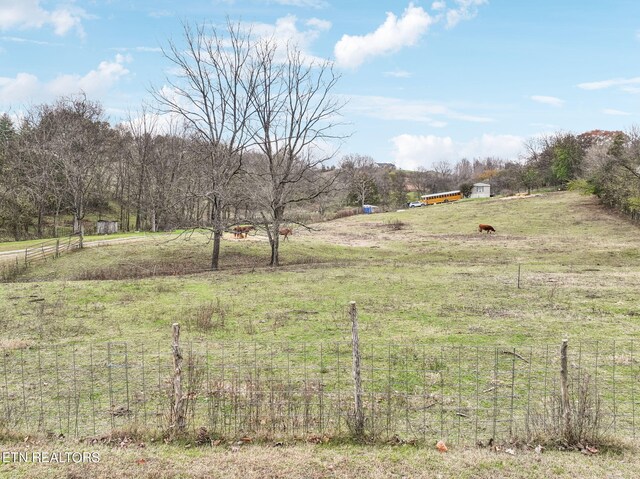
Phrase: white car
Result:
[416,204]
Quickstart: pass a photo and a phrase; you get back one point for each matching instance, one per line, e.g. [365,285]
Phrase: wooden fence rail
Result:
[52,248]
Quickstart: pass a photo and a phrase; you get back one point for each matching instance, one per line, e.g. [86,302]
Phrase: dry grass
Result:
[434,280]
[138,460]
[7,344]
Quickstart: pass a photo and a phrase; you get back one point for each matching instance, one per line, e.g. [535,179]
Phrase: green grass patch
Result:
[434,279]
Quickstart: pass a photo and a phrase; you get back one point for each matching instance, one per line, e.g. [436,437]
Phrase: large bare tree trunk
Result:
[215,255]
[55,222]
[40,218]
[275,247]
[274,238]
[217,237]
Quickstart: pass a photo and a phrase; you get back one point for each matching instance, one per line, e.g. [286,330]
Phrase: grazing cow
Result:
[286,232]
[241,231]
[487,228]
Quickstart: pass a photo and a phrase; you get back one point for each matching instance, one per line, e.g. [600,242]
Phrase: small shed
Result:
[368,209]
[106,227]
[481,190]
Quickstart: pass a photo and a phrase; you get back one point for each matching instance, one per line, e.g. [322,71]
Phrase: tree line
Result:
[241,144]
[600,162]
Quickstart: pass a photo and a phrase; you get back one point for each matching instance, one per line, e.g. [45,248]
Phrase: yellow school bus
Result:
[445,197]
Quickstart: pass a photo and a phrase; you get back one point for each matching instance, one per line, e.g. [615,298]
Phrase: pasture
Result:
[424,274]
[422,278]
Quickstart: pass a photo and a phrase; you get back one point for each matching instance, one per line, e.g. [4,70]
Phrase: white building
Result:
[481,190]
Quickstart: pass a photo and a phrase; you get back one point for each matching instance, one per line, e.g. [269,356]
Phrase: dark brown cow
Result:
[286,232]
[241,231]
[487,228]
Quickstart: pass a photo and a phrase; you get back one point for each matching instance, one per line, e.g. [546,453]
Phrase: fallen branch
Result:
[513,353]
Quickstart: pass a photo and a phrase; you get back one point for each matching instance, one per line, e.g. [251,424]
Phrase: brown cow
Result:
[487,228]
[286,232]
[241,231]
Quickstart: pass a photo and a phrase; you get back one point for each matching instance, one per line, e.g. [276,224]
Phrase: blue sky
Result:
[425,81]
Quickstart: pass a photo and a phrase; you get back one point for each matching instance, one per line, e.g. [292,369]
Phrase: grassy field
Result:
[421,276]
[317,461]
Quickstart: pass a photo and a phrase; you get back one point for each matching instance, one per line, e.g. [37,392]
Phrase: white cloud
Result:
[438,6]
[387,108]
[395,33]
[398,74]
[161,14]
[614,82]
[23,87]
[26,14]
[501,146]
[23,40]
[151,121]
[413,151]
[285,31]
[26,87]
[319,24]
[465,10]
[611,111]
[548,100]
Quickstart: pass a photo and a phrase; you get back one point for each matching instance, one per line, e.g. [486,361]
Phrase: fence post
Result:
[81,244]
[178,421]
[57,255]
[357,378]
[564,390]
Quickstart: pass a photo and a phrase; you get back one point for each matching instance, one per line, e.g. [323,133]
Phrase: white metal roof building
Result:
[481,190]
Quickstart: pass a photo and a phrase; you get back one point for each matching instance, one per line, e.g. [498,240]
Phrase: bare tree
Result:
[78,140]
[421,180]
[392,186]
[168,177]
[142,128]
[16,207]
[34,165]
[463,171]
[360,177]
[296,116]
[7,133]
[212,94]
[443,176]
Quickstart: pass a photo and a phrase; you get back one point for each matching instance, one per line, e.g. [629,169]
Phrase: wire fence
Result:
[411,392]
